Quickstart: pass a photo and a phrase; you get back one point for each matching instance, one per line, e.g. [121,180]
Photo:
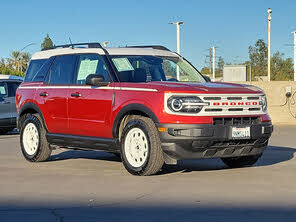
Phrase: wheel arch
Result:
[128,110]
[30,108]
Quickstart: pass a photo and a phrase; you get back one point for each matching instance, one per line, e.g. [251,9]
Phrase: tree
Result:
[47,43]
[281,69]
[205,71]
[16,64]
[2,62]
[25,59]
[14,60]
[258,58]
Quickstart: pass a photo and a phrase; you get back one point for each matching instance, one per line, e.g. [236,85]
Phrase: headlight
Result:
[186,104]
[263,103]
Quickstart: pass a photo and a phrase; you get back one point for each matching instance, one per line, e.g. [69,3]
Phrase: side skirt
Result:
[73,141]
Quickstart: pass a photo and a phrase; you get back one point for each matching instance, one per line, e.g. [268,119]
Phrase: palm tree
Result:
[19,61]
[14,60]
[25,58]
[2,62]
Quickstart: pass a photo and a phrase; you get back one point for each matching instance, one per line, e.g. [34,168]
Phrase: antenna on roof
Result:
[72,46]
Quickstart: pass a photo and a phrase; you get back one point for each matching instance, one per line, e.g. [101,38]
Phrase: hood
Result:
[208,87]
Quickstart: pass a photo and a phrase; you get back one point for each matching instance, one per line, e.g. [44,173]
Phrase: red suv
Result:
[146,103]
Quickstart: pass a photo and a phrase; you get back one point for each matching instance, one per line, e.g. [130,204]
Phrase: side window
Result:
[62,70]
[3,90]
[90,64]
[12,87]
[37,70]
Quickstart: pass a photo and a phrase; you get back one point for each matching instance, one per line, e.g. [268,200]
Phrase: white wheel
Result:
[136,147]
[30,139]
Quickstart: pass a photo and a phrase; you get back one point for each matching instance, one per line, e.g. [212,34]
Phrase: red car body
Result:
[93,114]
[228,120]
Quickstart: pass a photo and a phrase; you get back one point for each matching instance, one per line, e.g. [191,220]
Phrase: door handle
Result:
[44,94]
[77,94]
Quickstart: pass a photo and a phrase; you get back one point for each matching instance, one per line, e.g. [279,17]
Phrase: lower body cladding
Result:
[197,141]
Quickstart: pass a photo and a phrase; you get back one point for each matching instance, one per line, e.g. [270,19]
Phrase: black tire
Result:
[43,150]
[244,161]
[154,160]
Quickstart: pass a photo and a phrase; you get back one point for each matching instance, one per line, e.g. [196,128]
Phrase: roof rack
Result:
[160,47]
[89,45]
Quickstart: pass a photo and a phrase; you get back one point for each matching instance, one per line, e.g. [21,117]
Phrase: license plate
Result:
[241,132]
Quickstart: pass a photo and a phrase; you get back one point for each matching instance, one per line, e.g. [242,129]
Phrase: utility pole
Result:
[269,11]
[294,55]
[210,60]
[213,62]
[178,43]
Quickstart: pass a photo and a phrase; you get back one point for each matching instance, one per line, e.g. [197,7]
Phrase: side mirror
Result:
[96,80]
[208,79]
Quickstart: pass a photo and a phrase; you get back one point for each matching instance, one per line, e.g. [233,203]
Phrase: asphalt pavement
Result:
[94,186]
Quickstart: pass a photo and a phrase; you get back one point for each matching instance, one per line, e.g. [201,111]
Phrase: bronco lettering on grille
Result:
[235,104]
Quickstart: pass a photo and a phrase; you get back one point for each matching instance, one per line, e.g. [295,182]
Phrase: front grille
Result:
[236,121]
[234,104]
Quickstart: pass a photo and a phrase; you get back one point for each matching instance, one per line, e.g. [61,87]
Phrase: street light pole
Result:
[27,46]
[178,43]
[269,11]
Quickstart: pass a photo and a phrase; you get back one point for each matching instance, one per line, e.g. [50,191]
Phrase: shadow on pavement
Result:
[272,155]
[81,154]
[121,212]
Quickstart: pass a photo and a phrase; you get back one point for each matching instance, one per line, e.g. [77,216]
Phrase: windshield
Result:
[152,68]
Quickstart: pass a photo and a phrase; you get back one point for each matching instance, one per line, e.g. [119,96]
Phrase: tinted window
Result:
[62,70]
[12,87]
[90,64]
[37,70]
[3,89]
[155,68]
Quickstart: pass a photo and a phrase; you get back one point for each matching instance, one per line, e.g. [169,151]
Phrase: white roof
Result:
[112,51]
[3,76]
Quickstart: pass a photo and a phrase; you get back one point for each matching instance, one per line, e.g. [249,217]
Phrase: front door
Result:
[90,107]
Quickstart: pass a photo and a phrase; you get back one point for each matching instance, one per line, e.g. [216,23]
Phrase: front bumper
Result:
[195,141]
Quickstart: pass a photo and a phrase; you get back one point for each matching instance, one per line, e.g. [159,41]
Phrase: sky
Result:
[230,25]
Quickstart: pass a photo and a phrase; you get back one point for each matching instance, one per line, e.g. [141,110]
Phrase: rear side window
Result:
[37,70]
[12,87]
[62,70]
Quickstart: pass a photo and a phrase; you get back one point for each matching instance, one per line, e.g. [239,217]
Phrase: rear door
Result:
[90,107]
[53,94]
[12,87]
[5,114]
